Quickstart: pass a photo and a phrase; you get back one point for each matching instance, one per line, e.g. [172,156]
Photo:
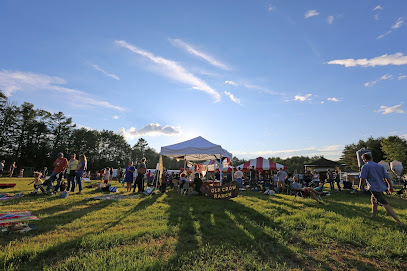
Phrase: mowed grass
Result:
[171,232]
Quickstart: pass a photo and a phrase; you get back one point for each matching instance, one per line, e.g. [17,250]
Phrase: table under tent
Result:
[196,149]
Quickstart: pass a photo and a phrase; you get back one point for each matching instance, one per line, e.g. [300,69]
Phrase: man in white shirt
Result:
[281,178]
[238,176]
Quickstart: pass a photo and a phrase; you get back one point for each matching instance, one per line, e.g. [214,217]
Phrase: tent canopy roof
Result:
[323,162]
[195,149]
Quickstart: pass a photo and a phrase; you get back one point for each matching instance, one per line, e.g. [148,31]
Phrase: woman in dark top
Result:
[198,184]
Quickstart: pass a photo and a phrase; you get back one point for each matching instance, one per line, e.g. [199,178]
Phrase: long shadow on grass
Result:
[224,225]
[65,250]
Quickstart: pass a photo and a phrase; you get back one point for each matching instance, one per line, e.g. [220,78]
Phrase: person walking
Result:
[141,170]
[330,179]
[11,169]
[71,170]
[60,166]
[80,169]
[129,173]
[376,177]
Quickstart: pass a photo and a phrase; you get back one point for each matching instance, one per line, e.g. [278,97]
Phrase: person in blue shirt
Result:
[376,177]
[129,173]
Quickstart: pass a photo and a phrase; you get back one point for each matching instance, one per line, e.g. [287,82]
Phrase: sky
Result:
[260,78]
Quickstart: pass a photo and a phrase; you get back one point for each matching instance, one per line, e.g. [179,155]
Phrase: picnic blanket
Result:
[9,218]
[7,196]
[113,197]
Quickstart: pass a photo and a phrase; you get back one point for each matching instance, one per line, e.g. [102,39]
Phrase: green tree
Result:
[395,148]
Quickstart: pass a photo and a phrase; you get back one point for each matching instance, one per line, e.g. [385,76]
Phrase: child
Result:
[106,178]
[37,182]
[21,173]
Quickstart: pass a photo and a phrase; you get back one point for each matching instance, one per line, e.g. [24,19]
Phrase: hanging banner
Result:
[226,191]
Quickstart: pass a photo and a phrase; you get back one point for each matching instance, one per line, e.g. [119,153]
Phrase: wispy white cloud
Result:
[211,60]
[152,129]
[378,7]
[401,77]
[304,98]
[115,117]
[270,8]
[260,89]
[334,99]
[114,76]
[374,82]
[231,83]
[398,23]
[172,70]
[233,98]
[384,35]
[391,109]
[330,19]
[384,60]
[376,17]
[311,13]
[12,81]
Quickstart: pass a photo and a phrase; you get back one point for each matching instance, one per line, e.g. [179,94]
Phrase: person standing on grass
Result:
[71,170]
[281,175]
[2,167]
[129,173]
[11,169]
[252,178]
[337,179]
[376,177]
[238,176]
[141,170]
[330,179]
[80,169]
[106,178]
[60,166]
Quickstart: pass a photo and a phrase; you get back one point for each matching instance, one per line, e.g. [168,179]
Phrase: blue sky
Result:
[269,78]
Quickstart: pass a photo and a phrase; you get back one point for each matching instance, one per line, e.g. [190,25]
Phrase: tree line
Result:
[33,137]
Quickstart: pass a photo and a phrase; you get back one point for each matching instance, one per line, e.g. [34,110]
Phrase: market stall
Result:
[261,164]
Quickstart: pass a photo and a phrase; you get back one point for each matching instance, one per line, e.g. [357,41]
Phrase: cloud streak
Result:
[304,98]
[378,7]
[231,83]
[384,60]
[334,99]
[330,19]
[396,25]
[111,75]
[12,81]
[233,98]
[187,47]
[391,109]
[374,82]
[311,13]
[172,70]
[151,129]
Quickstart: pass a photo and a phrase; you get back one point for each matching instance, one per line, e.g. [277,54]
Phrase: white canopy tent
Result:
[196,149]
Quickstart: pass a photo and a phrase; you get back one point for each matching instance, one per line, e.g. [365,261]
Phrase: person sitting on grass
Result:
[306,191]
[37,182]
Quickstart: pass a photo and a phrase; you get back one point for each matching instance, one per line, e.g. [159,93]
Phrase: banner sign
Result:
[226,191]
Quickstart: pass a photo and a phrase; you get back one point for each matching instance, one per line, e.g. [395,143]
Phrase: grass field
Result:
[170,232]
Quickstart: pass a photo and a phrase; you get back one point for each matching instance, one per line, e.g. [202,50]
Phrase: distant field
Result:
[170,232]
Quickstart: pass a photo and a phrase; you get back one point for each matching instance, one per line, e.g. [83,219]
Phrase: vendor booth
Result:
[200,149]
[261,164]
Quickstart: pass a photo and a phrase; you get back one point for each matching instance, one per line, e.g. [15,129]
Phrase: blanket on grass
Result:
[9,218]
[113,197]
[8,197]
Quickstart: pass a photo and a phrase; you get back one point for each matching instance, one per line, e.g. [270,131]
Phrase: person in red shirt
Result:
[60,166]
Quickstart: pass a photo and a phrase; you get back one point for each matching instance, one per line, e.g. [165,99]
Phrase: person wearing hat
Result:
[60,165]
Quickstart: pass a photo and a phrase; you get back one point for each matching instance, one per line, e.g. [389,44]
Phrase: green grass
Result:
[170,232]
